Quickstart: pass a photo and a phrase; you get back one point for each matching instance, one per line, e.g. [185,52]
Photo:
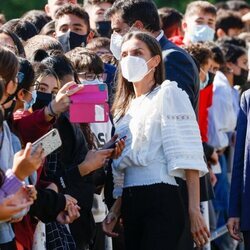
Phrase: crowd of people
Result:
[178,119]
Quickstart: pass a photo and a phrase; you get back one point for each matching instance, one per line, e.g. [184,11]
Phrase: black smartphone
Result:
[112,144]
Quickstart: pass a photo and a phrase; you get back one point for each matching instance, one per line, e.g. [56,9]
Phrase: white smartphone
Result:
[50,142]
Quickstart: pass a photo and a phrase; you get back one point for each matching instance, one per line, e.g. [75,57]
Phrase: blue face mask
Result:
[28,105]
[201,33]
[205,82]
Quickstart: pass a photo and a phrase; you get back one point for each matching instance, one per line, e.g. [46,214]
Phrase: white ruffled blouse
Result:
[163,139]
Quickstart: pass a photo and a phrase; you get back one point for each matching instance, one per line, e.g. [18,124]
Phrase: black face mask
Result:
[211,77]
[241,79]
[10,98]
[71,40]
[103,28]
[42,100]
[9,111]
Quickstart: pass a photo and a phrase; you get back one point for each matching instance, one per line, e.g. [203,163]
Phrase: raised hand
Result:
[25,163]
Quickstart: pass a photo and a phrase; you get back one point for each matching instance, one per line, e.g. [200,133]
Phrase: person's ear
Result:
[54,35]
[220,33]
[20,95]
[184,26]
[157,60]
[47,10]
[139,25]
[230,67]
[90,36]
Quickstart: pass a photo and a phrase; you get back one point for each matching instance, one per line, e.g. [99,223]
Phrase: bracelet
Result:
[51,111]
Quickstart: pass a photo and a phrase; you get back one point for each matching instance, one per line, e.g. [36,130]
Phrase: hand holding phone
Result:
[117,144]
[49,142]
[112,144]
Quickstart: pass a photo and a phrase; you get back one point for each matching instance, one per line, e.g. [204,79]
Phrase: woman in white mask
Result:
[162,142]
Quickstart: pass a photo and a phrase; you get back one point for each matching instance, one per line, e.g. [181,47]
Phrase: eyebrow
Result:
[63,26]
[211,19]
[78,25]
[43,84]
[133,50]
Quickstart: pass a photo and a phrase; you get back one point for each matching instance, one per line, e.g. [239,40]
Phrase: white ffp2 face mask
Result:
[116,44]
[201,33]
[134,68]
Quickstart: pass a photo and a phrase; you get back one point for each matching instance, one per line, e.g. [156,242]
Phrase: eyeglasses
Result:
[91,76]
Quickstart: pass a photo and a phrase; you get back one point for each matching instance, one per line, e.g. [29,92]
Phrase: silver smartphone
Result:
[50,142]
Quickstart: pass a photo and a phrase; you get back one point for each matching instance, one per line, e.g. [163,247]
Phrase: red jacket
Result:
[177,40]
[206,98]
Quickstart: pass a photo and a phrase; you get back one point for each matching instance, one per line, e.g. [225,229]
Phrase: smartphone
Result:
[90,104]
[112,144]
[50,142]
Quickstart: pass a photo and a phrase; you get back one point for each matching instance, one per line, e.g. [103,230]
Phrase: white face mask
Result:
[201,33]
[116,44]
[205,82]
[134,68]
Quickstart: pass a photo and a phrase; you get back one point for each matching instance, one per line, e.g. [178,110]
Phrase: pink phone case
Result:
[89,104]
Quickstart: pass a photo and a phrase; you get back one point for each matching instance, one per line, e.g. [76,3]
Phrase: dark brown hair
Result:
[125,91]
[85,60]
[200,52]
[8,65]
[42,42]
[200,6]
[73,10]
[18,44]
[98,43]
[93,2]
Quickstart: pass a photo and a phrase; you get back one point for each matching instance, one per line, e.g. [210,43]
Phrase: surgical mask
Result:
[116,45]
[93,82]
[241,79]
[42,100]
[71,40]
[28,105]
[206,81]
[103,28]
[201,33]
[134,68]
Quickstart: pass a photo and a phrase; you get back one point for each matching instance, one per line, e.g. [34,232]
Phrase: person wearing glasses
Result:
[90,70]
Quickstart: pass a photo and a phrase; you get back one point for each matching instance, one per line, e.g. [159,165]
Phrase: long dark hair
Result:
[125,91]
[15,39]
[9,65]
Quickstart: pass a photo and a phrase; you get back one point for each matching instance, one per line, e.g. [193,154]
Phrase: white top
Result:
[222,114]
[163,139]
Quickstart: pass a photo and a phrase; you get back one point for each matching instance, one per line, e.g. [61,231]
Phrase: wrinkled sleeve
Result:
[223,119]
[180,133]
[10,186]
[118,178]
